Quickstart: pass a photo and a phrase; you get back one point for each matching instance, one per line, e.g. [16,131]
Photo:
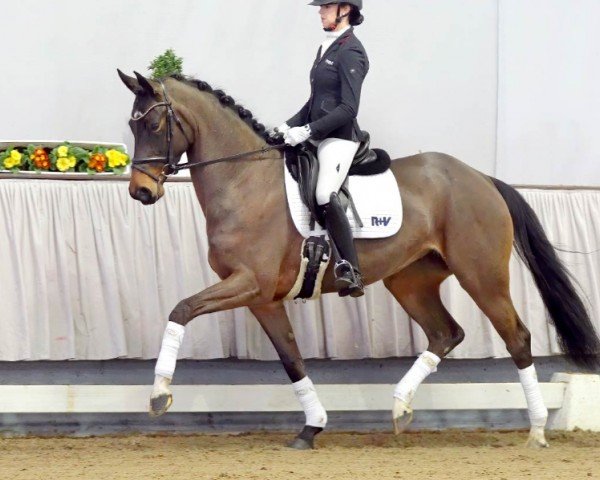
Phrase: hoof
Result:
[536,444]
[305,439]
[160,404]
[537,439]
[402,415]
[301,444]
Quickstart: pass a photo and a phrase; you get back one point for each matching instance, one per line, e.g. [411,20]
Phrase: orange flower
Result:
[97,162]
[41,160]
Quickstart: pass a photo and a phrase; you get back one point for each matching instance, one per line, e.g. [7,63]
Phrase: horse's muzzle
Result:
[144,195]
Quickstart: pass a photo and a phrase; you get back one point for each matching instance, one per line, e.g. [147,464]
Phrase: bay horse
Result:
[457,221]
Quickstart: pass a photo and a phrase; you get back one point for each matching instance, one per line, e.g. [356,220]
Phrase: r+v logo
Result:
[380,221]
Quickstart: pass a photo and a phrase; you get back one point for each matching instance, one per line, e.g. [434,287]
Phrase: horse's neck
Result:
[233,185]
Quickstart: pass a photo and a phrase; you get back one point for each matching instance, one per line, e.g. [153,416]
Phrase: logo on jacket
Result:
[380,221]
[328,62]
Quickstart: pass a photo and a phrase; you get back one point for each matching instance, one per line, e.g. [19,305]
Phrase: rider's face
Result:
[328,14]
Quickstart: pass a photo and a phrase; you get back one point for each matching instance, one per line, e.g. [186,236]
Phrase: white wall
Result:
[549,115]
[432,85]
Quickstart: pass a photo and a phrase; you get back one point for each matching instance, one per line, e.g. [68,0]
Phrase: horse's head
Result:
[161,137]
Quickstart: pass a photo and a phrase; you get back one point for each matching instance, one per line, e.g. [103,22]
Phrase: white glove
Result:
[284,128]
[297,135]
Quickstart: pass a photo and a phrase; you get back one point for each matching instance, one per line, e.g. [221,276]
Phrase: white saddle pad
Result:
[377,199]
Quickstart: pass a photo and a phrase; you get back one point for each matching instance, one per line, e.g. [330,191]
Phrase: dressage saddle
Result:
[303,165]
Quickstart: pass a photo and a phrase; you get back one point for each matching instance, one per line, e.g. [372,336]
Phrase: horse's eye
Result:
[155,126]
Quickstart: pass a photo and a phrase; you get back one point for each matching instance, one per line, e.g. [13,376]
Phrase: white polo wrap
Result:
[316,416]
[538,413]
[425,365]
[167,359]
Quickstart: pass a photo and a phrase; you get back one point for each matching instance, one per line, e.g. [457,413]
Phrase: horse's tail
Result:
[576,334]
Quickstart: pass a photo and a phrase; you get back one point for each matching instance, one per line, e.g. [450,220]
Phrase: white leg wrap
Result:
[316,416]
[538,413]
[425,365]
[167,359]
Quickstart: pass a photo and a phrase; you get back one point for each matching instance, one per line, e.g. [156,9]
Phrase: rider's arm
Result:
[300,118]
[352,70]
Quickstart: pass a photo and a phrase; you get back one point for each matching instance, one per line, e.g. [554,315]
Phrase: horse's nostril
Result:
[144,195]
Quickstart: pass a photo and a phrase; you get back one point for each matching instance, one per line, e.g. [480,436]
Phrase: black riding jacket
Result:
[336,80]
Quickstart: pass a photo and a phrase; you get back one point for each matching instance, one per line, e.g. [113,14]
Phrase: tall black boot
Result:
[348,279]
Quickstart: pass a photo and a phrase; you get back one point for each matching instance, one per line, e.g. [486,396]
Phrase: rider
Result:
[328,120]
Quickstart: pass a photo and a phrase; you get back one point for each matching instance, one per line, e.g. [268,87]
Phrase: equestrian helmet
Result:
[357,3]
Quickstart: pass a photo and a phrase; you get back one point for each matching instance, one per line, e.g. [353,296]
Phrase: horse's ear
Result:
[145,84]
[130,82]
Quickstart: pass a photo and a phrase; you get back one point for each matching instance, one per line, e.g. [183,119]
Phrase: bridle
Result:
[171,166]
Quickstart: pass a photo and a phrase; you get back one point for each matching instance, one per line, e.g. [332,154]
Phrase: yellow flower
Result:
[72,161]
[16,156]
[63,164]
[12,160]
[116,158]
[63,151]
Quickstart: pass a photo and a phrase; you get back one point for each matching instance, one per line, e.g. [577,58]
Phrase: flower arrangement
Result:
[64,158]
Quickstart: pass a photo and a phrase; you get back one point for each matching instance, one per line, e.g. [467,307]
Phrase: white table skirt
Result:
[87,273]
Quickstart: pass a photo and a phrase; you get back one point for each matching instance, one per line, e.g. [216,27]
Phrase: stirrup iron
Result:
[348,280]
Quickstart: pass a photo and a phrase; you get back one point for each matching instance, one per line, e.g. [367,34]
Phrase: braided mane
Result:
[228,102]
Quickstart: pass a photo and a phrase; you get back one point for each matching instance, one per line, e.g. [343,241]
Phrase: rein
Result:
[237,156]
[170,166]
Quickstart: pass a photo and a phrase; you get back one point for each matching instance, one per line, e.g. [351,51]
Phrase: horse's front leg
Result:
[239,289]
[274,320]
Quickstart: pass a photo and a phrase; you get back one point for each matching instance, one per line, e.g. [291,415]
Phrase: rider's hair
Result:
[355,18]
[228,101]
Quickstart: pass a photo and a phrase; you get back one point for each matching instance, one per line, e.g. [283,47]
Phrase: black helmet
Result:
[357,3]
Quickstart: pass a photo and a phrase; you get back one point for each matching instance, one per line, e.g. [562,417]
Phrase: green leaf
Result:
[166,65]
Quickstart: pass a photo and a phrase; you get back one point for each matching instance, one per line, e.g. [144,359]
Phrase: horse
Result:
[456,221]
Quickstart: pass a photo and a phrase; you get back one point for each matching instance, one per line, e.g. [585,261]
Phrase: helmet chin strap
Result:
[338,20]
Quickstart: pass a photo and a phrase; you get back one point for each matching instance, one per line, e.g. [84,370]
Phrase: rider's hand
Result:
[283,129]
[297,135]
[280,130]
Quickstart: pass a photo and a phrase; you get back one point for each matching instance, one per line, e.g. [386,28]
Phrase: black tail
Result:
[576,333]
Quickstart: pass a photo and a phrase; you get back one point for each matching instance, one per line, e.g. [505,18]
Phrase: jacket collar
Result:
[335,45]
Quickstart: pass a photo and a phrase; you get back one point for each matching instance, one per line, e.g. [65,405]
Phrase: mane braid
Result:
[228,102]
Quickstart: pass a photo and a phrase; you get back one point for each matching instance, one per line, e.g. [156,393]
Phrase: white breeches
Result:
[335,159]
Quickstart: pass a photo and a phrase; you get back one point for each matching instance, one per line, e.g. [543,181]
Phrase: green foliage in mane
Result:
[166,65]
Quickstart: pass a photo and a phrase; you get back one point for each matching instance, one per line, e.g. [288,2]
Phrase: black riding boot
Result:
[348,279]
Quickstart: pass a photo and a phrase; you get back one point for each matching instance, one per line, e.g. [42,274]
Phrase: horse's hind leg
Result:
[485,276]
[417,289]
[275,322]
